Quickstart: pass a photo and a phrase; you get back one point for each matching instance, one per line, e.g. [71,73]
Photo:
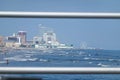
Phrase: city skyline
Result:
[46,39]
[98,33]
[82,44]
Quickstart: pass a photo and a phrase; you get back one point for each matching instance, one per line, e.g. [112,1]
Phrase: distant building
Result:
[37,40]
[1,41]
[23,36]
[28,44]
[50,38]
[13,41]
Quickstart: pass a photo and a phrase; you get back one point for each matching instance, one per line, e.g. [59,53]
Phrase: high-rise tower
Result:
[22,35]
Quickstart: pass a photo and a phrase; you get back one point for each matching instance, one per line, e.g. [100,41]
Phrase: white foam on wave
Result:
[32,59]
[81,53]
[111,59]
[90,62]
[2,62]
[43,60]
[99,64]
[86,58]
[103,65]
[20,59]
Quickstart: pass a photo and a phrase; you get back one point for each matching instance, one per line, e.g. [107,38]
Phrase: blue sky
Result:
[99,33]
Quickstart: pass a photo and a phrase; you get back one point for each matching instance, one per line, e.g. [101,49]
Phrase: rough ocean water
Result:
[62,58]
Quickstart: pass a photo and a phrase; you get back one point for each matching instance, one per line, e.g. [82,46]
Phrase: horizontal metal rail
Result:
[58,70]
[9,14]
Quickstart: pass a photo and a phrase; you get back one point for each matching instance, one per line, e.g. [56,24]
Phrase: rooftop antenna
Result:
[43,29]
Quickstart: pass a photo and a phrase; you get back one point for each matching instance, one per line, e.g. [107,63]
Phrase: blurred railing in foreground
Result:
[58,70]
[9,14]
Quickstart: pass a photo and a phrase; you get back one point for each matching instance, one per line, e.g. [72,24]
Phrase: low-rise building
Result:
[13,41]
[1,41]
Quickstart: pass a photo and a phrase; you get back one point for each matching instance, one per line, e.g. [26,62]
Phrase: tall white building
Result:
[49,37]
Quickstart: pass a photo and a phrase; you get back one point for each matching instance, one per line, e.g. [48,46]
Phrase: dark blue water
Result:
[63,58]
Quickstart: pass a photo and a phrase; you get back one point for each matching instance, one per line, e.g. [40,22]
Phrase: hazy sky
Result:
[99,33]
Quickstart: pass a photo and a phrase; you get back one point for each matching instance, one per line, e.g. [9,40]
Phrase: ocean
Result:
[62,58]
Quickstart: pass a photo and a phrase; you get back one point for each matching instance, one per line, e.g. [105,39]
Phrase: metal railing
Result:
[58,70]
[14,14]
